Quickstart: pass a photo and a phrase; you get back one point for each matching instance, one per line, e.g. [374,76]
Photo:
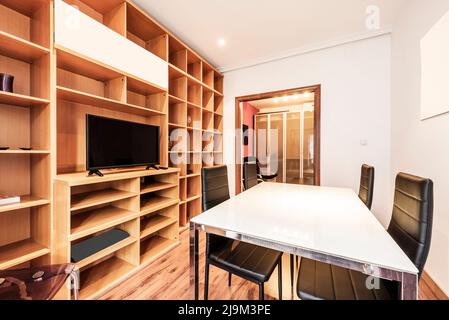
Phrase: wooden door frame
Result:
[316,89]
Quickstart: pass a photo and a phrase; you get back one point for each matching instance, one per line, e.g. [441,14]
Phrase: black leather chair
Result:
[266,177]
[410,227]
[250,262]
[367,185]
[250,178]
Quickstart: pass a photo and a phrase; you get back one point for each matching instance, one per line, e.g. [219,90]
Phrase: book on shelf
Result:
[5,200]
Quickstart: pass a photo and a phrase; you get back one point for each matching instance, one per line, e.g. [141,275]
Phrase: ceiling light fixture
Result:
[285,99]
[276,100]
[306,94]
[221,42]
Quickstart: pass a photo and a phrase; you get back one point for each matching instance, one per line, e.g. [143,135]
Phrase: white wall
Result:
[421,147]
[355,81]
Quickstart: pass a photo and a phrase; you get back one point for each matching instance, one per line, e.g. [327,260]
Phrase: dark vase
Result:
[6,82]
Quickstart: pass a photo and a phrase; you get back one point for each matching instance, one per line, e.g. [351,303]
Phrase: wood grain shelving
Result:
[155,223]
[21,100]
[20,252]
[28,201]
[155,247]
[156,203]
[19,48]
[156,186]
[95,198]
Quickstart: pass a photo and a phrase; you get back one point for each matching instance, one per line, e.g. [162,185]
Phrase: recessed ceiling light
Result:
[297,96]
[306,94]
[285,99]
[276,100]
[221,42]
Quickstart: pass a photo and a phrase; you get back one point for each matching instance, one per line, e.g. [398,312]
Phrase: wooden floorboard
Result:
[168,279]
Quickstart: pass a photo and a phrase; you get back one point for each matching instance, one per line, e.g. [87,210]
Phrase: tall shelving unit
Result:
[54,88]
[25,121]
[195,122]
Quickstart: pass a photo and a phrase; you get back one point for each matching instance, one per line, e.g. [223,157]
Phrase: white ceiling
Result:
[257,31]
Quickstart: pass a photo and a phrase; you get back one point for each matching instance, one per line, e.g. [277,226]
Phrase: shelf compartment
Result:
[179,160]
[178,54]
[183,189]
[21,252]
[218,123]
[178,139]
[208,159]
[195,140]
[156,203]
[70,95]
[155,247]
[106,252]
[103,276]
[25,202]
[218,142]
[96,198]
[208,100]
[218,82]
[194,66]
[155,223]
[218,104]
[208,142]
[27,20]
[178,88]
[182,215]
[18,48]
[89,222]
[156,186]
[218,158]
[177,113]
[147,33]
[208,121]
[193,117]
[193,208]
[208,75]
[193,187]
[194,93]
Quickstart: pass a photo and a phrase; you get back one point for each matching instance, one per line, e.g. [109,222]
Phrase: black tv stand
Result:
[95,172]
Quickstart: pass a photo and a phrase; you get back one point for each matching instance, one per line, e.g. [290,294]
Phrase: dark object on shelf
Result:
[89,247]
[189,172]
[6,82]
[38,283]
[4,148]
[26,149]
[245,130]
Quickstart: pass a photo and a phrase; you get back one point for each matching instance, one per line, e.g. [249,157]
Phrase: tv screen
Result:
[115,143]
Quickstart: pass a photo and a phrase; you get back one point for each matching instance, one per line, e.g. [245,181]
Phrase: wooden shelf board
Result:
[153,248]
[194,105]
[25,152]
[103,276]
[91,199]
[90,222]
[104,253]
[73,62]
[21,100]
[154,224]
[182,229]
[174,125]
[156,203]
[194,129]
[175,73]
[17,48]
[193,175]
[174,99]
[28,201]
[81,178]
[97,101]
[26,7]
[157,186]
[193,198]
[20,252]
[143,87]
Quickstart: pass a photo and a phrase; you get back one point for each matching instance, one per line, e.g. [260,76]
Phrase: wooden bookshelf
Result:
[55,87]
[25,122]
[142,203]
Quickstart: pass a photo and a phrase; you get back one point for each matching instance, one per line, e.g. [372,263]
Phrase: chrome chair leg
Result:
[75,283]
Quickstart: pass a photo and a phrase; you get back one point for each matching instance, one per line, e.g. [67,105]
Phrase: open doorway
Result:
[281,133]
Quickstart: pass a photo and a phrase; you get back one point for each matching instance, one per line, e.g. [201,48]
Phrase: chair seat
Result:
[321,281]
[247,261]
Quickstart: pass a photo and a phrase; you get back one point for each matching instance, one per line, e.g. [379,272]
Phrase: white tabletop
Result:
[330,221]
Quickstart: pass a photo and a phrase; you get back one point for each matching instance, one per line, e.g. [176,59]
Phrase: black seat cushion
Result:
[246,260]
[250,175]
[367,185]
[322,281]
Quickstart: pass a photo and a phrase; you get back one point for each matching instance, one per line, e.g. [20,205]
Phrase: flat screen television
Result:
[115,144]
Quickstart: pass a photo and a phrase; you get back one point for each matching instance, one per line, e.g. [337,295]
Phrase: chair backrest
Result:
[215,186]
[250,175]
[411,224]
[367,185]
[215,191]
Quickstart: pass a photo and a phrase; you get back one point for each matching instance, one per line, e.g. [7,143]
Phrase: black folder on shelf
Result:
[89,247]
